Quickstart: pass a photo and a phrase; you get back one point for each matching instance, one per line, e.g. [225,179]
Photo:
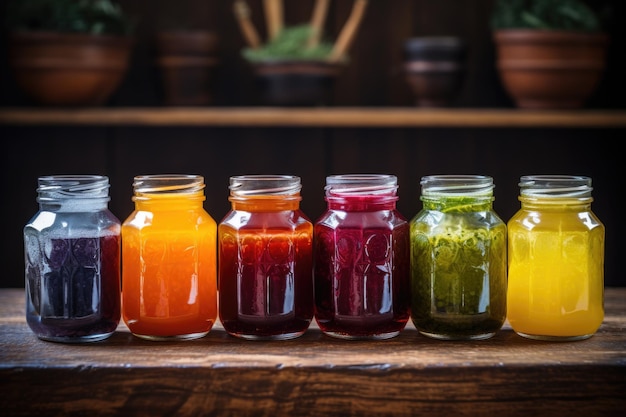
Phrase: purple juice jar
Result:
[72,259]
[361,259]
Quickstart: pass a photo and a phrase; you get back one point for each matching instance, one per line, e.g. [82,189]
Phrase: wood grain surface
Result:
[219,375]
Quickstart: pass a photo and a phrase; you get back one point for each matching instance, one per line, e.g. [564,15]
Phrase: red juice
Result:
[265,273]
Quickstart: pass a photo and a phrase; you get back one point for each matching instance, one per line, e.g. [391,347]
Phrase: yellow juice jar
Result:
[556,260]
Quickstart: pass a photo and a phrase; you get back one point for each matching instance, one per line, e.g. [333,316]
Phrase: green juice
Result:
[458,268]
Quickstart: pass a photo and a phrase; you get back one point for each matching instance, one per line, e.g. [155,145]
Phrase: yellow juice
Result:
[556,271]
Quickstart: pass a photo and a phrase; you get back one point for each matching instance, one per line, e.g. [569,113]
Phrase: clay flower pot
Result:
[68,69]
[295,83]
[434,68]
[186,59]
[550,69]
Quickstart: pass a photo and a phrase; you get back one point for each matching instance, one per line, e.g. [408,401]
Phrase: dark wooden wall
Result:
[372,78]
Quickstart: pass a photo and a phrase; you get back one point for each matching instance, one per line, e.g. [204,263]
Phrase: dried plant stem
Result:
[346,36]
[242,13]
[317,22]
[273,17]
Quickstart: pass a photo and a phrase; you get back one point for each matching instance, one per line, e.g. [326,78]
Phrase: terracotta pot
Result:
[434,68]
[295,83]
[186,60]
[68,69]
[550,69]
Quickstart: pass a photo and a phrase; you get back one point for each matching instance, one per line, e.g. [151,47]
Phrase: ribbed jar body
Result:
[169,268]
[556,260]
[361,256]
[72,258]
[265,259]
[458,259]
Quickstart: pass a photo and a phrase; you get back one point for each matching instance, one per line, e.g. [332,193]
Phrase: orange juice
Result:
[556,268]
[169,284]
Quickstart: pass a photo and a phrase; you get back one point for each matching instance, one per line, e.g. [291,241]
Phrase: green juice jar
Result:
[458,259]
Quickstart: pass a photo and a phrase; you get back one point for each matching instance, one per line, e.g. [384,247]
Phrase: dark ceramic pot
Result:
[434,68]
[295,83]
[550,69]
[187,60]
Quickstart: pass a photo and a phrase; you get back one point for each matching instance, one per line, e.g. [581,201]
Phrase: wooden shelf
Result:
[336,117]
[220,375]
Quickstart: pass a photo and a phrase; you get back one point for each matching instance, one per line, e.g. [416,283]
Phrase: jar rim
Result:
[361,184]
[457,184]
[264,184]
[60,187]
[555,186]
[168,183]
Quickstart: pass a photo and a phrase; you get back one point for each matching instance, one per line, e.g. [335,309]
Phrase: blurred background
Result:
[372,77]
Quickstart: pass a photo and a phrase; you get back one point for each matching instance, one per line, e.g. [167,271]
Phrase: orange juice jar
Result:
[556,260]
[169,271]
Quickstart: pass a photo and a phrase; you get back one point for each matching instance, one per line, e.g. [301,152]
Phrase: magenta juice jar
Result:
[361,259]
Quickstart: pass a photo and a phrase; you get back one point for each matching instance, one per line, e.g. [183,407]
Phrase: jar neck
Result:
[361,192]
[457,193]
[458,204]
[168,192]
[555,192]
[262,193]
[556,204]
[73,193]
[362,203]
[169,202]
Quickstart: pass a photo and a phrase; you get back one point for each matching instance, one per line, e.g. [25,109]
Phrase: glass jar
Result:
[361,257]
[556,260]
[265,261]
[72,257]
[169,272]
[458,259]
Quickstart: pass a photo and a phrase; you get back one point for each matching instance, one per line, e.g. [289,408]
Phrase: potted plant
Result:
[550,53]
[296,66]
[68,52]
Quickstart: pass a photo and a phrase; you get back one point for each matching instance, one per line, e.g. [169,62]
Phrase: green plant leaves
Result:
[77,16]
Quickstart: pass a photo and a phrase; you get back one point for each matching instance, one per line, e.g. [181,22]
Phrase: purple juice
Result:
[73,287]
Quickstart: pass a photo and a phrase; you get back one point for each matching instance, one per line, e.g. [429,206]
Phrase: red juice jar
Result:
[265,275]
[361,259]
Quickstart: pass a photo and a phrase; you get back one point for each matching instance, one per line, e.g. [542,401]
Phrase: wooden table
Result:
[219,375]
